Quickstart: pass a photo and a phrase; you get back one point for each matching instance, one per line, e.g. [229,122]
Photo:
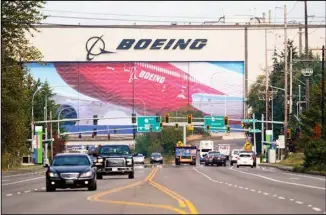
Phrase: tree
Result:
[17,19]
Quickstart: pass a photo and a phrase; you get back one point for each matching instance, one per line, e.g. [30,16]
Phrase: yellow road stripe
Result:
[145,205]
[183,202]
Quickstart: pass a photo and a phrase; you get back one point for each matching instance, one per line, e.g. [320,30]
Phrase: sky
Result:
[182,12]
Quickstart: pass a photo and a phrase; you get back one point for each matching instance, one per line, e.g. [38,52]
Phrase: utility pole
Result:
[46,131]
[246,72]
[323,132]
[291,92]
[300,40]
[51,135]
[285,80]
[266,81]
[306,53]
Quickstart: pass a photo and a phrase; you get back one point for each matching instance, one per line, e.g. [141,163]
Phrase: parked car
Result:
[234,156]
[139,159]
[156,158]
[70,170]
[215,157]
[245,159]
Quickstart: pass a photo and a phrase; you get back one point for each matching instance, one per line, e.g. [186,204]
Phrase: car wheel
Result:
[206,164]
[161,162]
[237,166]
[93,186]
[252,166]
[50,188]
[131,175]
[231,163]
[99,176]
[224,164]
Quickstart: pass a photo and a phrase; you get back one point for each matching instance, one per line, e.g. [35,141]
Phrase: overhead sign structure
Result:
[216,123]
[148,124]
[248,120]
[254,131]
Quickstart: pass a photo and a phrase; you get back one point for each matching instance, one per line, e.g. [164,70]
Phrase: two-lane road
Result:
[172,189]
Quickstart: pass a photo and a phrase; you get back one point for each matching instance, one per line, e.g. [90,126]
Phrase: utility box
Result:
[271,156]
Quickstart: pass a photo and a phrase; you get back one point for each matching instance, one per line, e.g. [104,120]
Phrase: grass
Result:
[294,160]
[32,167]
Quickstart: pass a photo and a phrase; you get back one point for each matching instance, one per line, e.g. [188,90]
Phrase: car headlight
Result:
[129,161]
[99,160]
[53,174]
[86,174]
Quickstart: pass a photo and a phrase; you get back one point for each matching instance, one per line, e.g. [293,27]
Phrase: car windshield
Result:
[71,160]
[245,155]
[156,155]
[139,155]
[115,150]
[235,152]
[206,150]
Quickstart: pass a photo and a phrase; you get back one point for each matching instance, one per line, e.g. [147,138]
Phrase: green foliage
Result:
[315,155]
[17,18]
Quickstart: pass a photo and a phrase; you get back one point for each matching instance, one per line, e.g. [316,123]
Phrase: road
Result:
[169,189]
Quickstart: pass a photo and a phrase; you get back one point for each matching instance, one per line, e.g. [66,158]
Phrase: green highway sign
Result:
[248,120]
[216,123]
[254,131]
[148,124]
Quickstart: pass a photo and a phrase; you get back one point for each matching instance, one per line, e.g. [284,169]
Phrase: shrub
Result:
[315,155]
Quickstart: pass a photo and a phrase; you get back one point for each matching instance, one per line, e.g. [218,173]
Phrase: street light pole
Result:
[323,132]
[285,80]
[32,117]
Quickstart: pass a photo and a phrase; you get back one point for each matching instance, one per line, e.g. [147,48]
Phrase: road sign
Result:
[248,120]
[254,131]
[179,143]
[148,124]
[216,123]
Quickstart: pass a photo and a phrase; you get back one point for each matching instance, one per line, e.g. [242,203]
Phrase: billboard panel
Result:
[114,89]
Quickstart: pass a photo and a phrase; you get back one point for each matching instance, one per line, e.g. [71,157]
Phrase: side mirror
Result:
[45,165]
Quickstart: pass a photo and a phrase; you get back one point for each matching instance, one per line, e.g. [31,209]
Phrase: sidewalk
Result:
[292,169]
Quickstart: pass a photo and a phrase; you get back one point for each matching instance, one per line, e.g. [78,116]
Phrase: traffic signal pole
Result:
[253,117]
[185,134]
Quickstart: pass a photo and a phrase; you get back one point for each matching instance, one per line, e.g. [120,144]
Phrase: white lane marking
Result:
[309,206]
[221,182]
[278,181]
[4,180]
[35,189]
[294,178]
[252,190]
[17,175]
[274,195]
[18,193]
[9,194]
[43,188]
[291,200]
[247,188]
[241,187]
[316,209]
[259,191]
[266,194]
[281,197]
[17,182]
[27,191]
[298,202]
[305,176]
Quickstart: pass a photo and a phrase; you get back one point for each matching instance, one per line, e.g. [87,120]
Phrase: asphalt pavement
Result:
[170,189]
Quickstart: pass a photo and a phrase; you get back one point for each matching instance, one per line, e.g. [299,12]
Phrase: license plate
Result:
[244,161]
[69,181]
[114,169]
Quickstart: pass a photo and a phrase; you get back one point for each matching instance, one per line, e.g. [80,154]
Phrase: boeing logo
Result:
[95,46]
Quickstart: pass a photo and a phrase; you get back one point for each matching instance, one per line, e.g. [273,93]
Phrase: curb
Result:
[292,169]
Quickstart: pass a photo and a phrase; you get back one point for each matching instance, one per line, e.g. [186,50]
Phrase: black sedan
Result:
[156,158]
[214,157]
[70,170]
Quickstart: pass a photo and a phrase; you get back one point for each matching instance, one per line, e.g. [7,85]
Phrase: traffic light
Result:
[134,133]
[228,129]
[133,118]
[161,124]
[79,136]
[207,127]
[189,117]
[226,120]
[167,118]
[243,125]
[157,117]
[95,120]
[288,134]
[176,125]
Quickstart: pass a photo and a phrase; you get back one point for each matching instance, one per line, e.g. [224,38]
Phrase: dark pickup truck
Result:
[113,160]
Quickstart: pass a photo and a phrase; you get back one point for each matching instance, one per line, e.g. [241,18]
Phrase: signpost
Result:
[148,124]
[216,123]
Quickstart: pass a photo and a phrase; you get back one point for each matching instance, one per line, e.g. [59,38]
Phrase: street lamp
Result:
[32,118]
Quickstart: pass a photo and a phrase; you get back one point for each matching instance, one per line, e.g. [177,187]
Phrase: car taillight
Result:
[238,158]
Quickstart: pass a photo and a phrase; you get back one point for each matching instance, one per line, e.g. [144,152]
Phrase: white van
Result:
[204,147]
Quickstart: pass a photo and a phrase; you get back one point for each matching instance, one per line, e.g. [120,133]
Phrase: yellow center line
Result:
[183,202]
